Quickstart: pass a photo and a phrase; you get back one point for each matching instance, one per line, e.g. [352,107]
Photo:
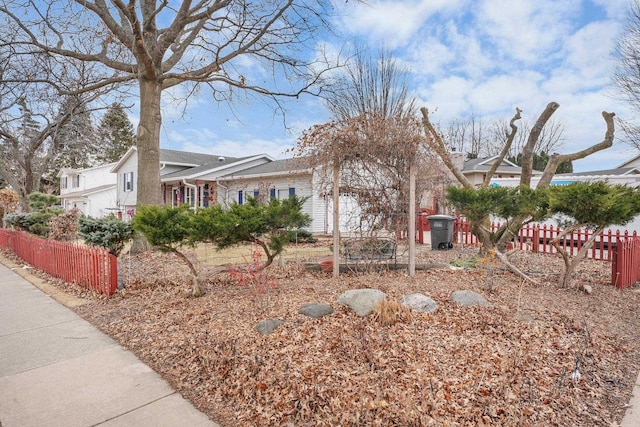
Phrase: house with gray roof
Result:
[476,169]
[185,177]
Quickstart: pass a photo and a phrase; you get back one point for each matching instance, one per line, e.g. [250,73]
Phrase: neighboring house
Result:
[91,190]
[628,175]
[631,163]
[476,169]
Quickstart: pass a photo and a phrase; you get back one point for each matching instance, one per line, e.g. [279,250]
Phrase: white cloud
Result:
[393,22]
[525,30]
[589,50]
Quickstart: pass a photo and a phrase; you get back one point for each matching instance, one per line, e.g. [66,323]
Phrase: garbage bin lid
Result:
[436,217]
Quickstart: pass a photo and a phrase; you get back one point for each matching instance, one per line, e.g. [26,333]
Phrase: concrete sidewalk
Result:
[632,416]
[56,369]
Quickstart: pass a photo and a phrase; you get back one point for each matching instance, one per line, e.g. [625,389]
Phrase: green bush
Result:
[37,222]
[109,233]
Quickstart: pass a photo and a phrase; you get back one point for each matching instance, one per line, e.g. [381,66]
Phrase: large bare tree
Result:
[497,241]
[157,45]
[32,114]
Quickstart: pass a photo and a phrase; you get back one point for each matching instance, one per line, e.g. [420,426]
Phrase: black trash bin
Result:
[441,231]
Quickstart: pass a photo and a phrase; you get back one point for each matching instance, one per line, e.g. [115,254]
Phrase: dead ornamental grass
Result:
[457,366]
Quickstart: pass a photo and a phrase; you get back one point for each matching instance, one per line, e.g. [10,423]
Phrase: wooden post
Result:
[411,238]
[336,219]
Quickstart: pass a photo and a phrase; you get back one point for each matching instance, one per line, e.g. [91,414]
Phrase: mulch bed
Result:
[510,364]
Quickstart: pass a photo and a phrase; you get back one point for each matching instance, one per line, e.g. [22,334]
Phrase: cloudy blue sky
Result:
[480,57]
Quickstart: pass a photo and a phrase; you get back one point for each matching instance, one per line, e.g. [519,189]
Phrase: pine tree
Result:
[115,133]
[76,141]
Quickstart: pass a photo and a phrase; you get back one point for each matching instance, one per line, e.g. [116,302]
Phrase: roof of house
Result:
[276,167]
[187,159]
[87,192]
[605,172]
[69,171]
[484,164]
[626,162]
[207,168]
[193,159]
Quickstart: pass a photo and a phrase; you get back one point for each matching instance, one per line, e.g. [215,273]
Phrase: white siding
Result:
[301,183]
[128,199]
[95,204]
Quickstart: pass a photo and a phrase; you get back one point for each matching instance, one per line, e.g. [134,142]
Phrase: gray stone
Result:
[361,301]
[469,298]
[267,326]
[419,302]
[525,317]
[316,309]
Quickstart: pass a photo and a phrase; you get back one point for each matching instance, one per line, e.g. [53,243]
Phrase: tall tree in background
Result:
[76,142]
[157,46]
[627,74]
[26,145]
[115,133]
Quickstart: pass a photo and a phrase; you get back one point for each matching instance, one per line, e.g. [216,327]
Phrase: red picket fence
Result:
[92,268]
[622,249]
[625,270]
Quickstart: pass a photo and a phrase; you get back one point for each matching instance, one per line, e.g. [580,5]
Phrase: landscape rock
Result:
[316,309]
[419,302]
[525,317]
[361,301]
[267,326]
[469,298]
[587,289]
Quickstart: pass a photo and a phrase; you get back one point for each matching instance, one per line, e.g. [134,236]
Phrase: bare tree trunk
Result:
[196,287]
[412,218]
[148,138]
[570,264]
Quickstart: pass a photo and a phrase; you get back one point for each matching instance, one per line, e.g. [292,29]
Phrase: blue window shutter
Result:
[292,191]
[124,181]
[272,193]
[240,197]
[131,180]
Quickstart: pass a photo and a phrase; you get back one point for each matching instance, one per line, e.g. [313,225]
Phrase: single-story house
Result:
[628,175]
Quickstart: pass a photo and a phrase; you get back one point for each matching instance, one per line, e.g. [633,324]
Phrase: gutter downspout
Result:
[195,191]
[226,192]
[164,185]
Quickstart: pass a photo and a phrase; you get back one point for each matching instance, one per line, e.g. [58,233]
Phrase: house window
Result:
[256,194]
[175,196]
[272,193]
[128,181]
[286,193]
[240,197]
[75,181]
[203,196]
[190,195]
[63,183]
